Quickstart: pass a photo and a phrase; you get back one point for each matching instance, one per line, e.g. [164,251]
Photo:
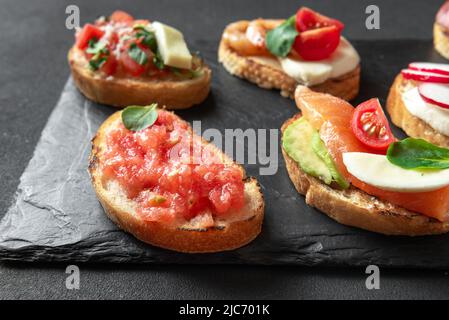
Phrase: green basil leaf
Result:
[149,40]
[148,37]
[280,40]
[158,61]
[136,118]
[96,47]
[96,62]
[413,153]
[137,54]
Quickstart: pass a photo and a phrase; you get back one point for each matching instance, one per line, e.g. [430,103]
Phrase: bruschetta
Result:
[120,61]
[168,187]
[418,102]
[441,31]
[305,49]
[349,165]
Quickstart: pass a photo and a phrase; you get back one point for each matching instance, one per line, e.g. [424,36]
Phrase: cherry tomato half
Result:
[88,32]
[307,19]
[317,44]
[370,125]
[121,16]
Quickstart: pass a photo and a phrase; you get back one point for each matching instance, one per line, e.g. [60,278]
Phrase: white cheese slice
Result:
[343,60]
[172,46]
[434,116]
[377,171]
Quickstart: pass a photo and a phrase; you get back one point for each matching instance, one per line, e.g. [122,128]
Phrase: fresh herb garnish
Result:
[136,118]
[413,153]
[280,40]
[100,53]
[149,40]
[148,37]
[137,54]
[96,63]
[158,61]
[96,47]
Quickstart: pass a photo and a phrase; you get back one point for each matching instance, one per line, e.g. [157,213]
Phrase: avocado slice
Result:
[297,142]
[320,150]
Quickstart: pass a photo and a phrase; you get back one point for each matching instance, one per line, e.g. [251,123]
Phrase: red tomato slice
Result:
[317,44]
[87,33]
[110,65]
[307,19]
[370,125]
[131,66]
[121,16]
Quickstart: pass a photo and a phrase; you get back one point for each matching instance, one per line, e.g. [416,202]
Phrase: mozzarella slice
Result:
[377,171]
[343,60]
[172,46]
[434,116]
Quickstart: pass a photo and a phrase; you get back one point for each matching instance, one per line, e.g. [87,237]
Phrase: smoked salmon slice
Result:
[332,117]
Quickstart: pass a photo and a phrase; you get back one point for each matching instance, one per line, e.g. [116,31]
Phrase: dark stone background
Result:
[33,70]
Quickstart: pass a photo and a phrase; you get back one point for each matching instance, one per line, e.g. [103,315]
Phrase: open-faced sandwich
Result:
[168,187]
[349,165]
[441,31]
[419,102]
[120,61]
[305,49]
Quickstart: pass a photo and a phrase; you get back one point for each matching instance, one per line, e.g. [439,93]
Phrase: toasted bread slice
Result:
[238,229]
[401,117]
[353,207]
[121,92]
[441,39]
[267,77]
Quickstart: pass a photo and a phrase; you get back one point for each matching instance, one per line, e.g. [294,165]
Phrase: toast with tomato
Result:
[306,49]
[349,165]
[168,187]
[418,102]
[120,61]
[441,31]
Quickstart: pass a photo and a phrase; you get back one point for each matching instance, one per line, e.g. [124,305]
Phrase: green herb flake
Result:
[418,154]
[136,118]
[137,54]
[96,63]
[280,40]
[96,47]
[158,61]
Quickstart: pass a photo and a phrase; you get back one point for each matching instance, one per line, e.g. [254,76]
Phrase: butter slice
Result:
[172,47]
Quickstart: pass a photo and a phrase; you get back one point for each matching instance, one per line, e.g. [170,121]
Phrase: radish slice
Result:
[440,68]
[437,94]
[424,76]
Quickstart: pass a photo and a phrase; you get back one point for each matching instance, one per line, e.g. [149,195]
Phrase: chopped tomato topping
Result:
[110,65]
[317,44]
[371,127]
[121,16]
[159,167]
[87,33]
[307,19]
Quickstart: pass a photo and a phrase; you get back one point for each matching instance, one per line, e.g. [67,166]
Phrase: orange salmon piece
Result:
[332,116]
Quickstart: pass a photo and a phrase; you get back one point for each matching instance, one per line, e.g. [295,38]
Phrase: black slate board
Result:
[56,216]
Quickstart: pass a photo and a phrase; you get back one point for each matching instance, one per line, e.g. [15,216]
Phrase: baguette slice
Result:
[353,207]
[441,39]
[238,229]
[401,117]
[121,92]
[267,77]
